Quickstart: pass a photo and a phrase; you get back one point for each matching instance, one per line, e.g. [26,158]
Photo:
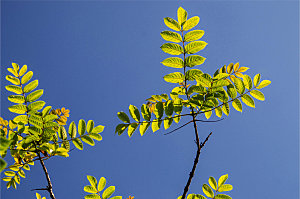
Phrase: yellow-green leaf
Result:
[23,70]
[181,15]
[26,77]
[34,95]
[248,100]
[176,77]
[193,35]
[226,109]
[174,62]
[239,85]
[20,109]
[225,187]
[171,23]
[219,112]
[171,36]
[194,47]
[88,140]
[167,122]
[207,191]
[247,81]
[190,23]
[101,184]
[143,127]
[222,180]
[90,189]
[134,112]
[31,86]
[14,89]
[213,183]
[156,125]
[131,128]
[237,105]
[257,95]
[13,80]
[16,99]
[78,144]
[256,79]
[173,49]
[194,60]
[123,117]
[263,84]
[108,192]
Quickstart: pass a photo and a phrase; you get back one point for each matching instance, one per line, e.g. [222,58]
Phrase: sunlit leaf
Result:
[174,62]
[14,89]
[256,79]
[31,86]
[237,105]
[172,49]
[26,77]
[143,127]
[146,112]
[190,23]
[181,15]
[195,47]
[239,85]
[101,184]
[171,36]
[222,180]
[131,128]
[16,99]
[171,23]
[207,191]
[248,100]
[176,77]
[257,95]
[134,112]
[225,187]
[213,183]
[34,95]
[263,84]
[123,117]
[194,60]
[193,35]
[108,192]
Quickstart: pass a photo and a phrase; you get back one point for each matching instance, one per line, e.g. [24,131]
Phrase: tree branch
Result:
[49,187]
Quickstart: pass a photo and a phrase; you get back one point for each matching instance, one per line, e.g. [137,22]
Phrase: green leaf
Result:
[16,99]
[101,184]
[62,133]
[134,112]
[226,109]
[20,109]
[21,173]
[169,108]
[143,127]
[31,86]
[193,35]
[247,81]
[72,130]
[256,79]
[92,180]
[207,191]
[14,89]
[176,77]
[177,106]
[231,91]
[219,112]
[172,49]
[263,84]
[26,77]
[167,122]
[171,36]
[239,85]
[196,89]
[222,180]
[194,47]
[88,140]
[190,23]
[98,129]
[13,80]
[34,95]
[213,183]
[208,114]
[90,126]
[248,100]
[194,60]
[173,62]
[34,106]
[46,110]
[108,192]
[193,74]
[78,144]
[171,23]
[90,189]
[225,187]
[204,80]
[159,110]
[120,128]
[131,128]
[9,173]
[257,95]
[92,196]
[123,117]
[181,15]
[95,136]
[156,125]
[23,70]
[145,112]
[81,127]
[222,196]
[237,105]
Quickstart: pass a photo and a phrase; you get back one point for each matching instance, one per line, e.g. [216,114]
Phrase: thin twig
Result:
[210,120]
[178,128]
[46,189]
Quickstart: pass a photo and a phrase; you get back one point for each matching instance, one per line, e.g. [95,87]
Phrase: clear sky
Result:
[96,58]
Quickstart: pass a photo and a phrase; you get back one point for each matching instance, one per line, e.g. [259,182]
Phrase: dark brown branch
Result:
[49,187]
[178,128]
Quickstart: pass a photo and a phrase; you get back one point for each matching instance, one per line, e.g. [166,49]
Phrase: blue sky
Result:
[96,58]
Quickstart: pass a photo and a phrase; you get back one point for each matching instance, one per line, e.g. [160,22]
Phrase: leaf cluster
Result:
[38,132]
